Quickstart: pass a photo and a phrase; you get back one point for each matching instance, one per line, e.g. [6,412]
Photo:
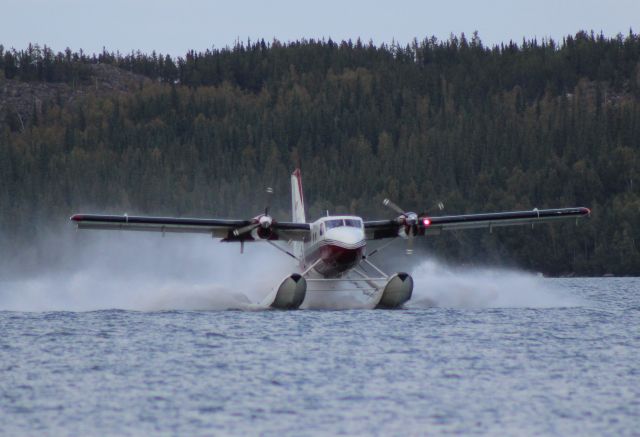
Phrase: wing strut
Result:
[283,250]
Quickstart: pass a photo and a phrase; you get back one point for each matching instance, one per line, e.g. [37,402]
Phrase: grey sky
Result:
[170,26]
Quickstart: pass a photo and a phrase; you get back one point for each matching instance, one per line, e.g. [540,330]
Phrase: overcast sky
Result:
[173,27]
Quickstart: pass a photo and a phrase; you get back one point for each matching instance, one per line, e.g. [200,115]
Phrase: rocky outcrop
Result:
[21,101]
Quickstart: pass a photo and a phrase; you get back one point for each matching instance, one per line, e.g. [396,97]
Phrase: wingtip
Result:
[76,217]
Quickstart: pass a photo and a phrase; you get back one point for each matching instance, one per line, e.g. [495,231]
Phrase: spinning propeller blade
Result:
[408,221]
[269,196]
[245,229]
[393,206]
[409,249]
[264,220]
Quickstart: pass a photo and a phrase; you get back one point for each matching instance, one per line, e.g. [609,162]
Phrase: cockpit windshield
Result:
[330,224]
[354,223]
[335,223]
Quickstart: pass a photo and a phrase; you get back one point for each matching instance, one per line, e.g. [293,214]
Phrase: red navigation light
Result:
[426,222]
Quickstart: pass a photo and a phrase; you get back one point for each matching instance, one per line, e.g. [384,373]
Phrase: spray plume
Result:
[93,271]
[104,270]
[439,285]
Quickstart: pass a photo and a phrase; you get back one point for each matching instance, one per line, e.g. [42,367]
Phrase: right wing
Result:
[218,228]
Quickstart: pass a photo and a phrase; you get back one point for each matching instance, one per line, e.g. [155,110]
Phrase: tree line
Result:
[514,126]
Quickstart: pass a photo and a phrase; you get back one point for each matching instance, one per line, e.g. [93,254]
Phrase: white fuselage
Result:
[337,244]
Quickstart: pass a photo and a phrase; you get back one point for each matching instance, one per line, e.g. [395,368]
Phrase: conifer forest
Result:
[529,124]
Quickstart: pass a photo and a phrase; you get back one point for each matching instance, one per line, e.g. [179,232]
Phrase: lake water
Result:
[502,353]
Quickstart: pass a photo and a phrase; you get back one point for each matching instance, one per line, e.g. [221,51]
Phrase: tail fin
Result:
[297,212]
[297,199]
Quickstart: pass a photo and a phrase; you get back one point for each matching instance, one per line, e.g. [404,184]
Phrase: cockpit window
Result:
[330,224]
[354,223]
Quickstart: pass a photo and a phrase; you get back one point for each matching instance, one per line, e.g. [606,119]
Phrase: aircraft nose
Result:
[346,235]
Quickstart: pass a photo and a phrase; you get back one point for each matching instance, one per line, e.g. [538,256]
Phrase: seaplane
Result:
[330,252]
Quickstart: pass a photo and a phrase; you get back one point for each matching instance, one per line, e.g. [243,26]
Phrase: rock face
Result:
[20,101]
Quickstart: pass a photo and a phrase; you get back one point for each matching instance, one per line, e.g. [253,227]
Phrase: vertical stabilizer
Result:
[297,211]
[297,200]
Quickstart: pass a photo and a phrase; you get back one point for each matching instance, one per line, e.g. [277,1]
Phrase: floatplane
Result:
[331,252]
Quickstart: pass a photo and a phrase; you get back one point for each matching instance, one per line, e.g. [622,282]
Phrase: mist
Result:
[86,271]
[441,285]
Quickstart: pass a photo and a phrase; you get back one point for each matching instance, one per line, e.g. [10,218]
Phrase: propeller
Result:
[409,222]
[248,228]
[393,206]
[269,196]
[263,221]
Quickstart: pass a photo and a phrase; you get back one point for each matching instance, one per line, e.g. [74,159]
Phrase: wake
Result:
[439,285]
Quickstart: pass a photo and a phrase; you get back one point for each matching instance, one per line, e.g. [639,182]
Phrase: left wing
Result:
[426,225]
[228,230]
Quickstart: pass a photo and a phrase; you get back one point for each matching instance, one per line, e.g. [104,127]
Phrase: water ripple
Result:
[548,370]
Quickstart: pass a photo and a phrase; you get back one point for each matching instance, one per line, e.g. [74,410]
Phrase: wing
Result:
[435,225]
[217,228]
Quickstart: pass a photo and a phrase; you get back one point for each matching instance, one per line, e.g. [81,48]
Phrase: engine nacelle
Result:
[262,228]
[265,221]
[397,291]
[261,233]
